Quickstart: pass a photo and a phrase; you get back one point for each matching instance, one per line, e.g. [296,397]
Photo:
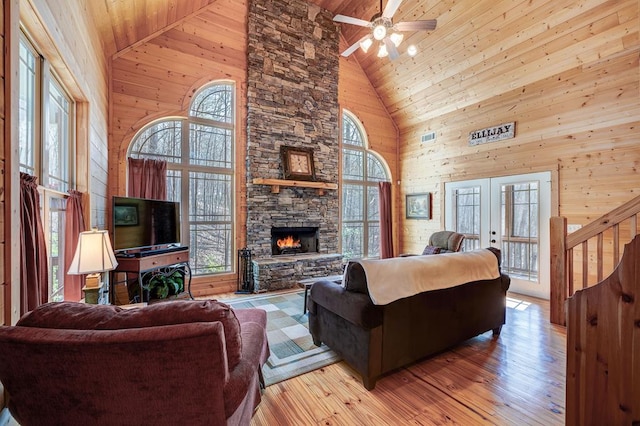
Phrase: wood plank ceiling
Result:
[123,23]
[479,49]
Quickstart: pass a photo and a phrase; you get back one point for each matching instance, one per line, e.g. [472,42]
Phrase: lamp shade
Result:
[93,254]
[382,51]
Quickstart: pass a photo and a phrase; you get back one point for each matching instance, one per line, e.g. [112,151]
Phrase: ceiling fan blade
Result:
[390,9]
[350,20]
[429,24]
[391,48]
[354,46]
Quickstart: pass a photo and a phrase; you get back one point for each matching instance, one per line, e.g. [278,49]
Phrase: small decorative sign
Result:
[492,134]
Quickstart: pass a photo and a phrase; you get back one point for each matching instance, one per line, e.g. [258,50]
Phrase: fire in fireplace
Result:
[288,242]
[294,240]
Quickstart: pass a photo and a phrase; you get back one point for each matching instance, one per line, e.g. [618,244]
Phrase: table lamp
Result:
[93,256]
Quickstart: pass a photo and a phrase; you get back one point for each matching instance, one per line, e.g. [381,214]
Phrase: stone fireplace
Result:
[292,100]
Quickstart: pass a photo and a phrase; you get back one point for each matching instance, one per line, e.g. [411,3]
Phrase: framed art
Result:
[125,215]
[298,163]
[418,206]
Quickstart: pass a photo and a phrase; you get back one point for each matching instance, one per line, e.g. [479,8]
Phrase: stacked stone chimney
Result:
[292,100]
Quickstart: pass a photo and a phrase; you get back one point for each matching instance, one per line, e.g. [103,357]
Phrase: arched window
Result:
[362,169]
[200,173]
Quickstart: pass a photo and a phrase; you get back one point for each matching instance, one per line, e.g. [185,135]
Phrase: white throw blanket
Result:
[399,277]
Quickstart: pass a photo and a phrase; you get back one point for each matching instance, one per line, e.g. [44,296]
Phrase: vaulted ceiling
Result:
[480,51]
[123,23]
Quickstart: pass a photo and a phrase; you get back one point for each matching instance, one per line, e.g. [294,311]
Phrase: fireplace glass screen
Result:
[294,240]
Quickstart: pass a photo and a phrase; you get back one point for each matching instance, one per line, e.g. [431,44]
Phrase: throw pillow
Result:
[81,316]
[431,250]
[69,316]
[355,278]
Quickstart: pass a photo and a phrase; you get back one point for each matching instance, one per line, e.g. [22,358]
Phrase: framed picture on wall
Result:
[418,206]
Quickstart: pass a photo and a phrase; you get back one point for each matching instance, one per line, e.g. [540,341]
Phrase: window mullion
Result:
[185,178]
[45,81]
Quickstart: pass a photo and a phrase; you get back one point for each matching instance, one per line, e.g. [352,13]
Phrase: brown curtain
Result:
[147,178]
[34,273]
[74,225]
[386,224]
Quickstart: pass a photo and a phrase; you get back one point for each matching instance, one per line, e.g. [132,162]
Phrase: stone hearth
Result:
[282,272]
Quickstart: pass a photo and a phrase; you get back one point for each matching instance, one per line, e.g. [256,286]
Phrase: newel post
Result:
[558,269]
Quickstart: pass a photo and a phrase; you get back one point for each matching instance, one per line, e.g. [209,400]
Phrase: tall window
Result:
[46,150]
[362,169]
[200,168]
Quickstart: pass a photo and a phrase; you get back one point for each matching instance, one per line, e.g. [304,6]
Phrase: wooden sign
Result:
[493,134]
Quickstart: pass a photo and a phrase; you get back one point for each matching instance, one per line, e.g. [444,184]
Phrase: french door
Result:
[510,213]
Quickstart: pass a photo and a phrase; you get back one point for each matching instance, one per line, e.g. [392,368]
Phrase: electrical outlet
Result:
[573,228]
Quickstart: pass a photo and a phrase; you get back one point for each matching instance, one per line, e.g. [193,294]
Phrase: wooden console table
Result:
[163,262]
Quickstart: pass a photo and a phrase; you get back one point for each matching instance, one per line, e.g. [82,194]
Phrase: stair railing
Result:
[563,244]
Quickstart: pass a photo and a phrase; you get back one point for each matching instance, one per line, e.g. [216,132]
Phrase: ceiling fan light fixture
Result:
[412,50]
[396,38]
[366,44]
[382,51]
[379,32]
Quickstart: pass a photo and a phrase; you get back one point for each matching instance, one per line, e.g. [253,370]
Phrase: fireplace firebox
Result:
[294,240]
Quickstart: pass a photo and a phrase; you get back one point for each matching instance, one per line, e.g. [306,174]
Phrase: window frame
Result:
[45,76]
[365,183]
[185,168]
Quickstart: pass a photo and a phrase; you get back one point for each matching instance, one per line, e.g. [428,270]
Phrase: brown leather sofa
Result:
[181,362]
[376,339]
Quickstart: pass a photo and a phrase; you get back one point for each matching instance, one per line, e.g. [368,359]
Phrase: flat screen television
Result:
[144,224]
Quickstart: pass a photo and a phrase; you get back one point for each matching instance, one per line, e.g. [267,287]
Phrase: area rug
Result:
[292,350]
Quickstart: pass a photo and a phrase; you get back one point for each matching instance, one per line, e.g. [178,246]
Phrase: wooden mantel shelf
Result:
[277,183]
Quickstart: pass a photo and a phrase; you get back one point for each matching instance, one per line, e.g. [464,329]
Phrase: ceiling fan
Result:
[385,31]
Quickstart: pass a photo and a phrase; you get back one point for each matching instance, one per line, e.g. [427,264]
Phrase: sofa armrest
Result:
[356,308]
[506,281]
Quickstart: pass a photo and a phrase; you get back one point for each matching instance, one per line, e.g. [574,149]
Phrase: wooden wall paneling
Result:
[583,120]
[158,78]
[356,94]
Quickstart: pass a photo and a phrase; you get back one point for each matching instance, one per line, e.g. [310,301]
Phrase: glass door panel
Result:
[510,213]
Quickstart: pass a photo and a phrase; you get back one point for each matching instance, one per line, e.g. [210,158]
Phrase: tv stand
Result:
[163,261]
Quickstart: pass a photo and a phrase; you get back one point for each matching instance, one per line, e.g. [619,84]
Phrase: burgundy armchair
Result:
[181,362]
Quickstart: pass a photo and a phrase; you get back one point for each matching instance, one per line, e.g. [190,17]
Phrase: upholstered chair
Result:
[444,242]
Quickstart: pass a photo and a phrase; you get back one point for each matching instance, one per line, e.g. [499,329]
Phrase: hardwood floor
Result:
[518,378]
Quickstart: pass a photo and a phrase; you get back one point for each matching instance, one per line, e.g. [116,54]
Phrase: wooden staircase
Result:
[603,348]
[594,247]
[602,316]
